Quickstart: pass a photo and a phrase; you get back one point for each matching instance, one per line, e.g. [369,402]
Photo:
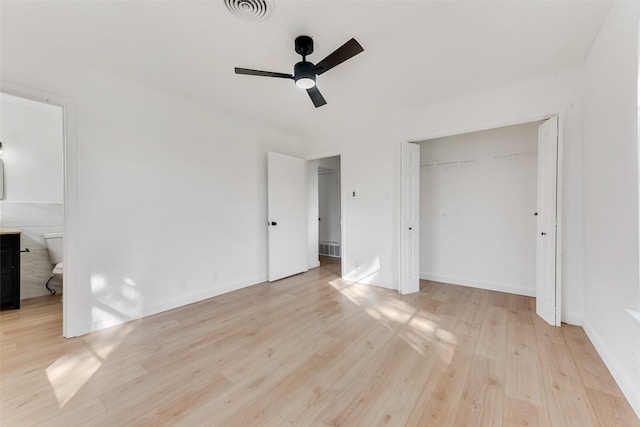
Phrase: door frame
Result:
[499,123]
[70,195]
[343,224]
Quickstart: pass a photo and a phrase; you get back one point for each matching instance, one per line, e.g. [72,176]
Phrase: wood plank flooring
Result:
[310,350]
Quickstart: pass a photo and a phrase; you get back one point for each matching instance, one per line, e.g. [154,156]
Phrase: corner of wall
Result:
[629,388]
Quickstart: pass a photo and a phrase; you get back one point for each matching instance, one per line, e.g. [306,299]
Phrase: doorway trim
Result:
[343,240]
[482,126]
[70,197]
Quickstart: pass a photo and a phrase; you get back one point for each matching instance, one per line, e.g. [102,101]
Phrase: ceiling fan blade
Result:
[341,54]
[316,97]
[262,73]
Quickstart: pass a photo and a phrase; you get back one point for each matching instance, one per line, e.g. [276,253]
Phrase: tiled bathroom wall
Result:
[34,220]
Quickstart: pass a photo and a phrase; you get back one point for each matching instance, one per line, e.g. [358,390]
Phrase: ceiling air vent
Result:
[250,10]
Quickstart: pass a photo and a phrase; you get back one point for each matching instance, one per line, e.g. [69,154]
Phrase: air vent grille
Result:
[331,249]
[250,10]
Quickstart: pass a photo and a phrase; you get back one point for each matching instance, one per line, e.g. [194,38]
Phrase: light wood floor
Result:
[310,350]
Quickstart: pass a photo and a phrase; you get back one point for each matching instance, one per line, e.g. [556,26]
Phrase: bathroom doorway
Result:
[32,197]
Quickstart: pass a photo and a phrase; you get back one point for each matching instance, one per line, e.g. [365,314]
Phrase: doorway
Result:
[70,328]
[32,202]
[326,243]
[484,215]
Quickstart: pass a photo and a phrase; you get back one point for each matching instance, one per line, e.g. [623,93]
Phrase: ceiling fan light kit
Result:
[304,75]
[305,72]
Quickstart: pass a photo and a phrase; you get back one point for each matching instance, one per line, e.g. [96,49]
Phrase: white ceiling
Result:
[416,52]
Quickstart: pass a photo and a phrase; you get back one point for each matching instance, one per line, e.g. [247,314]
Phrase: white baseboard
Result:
[124,316]
[492,286]
[209,293]
[629,388]
[573,319]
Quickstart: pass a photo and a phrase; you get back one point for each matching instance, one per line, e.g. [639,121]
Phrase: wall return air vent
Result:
[250,10]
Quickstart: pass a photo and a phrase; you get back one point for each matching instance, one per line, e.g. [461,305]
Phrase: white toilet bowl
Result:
[54,245]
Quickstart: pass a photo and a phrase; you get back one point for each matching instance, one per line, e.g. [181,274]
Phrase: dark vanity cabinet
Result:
[10,269]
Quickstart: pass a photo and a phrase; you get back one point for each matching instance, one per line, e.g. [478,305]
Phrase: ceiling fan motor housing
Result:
[304,69]
[304,45]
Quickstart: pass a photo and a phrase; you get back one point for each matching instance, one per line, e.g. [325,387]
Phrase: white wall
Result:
[171,196]
[366,167]
[31,133]
[477,223]
[611,195]
[329,202]
[370,159]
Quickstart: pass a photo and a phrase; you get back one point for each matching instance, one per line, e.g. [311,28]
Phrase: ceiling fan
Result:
[304,72]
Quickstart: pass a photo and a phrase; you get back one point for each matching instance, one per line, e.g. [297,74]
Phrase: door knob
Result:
[273,223]
[543,234]
[410,228]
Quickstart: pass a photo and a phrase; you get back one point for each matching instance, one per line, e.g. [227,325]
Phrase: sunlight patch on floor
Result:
[417,327]
[70,372]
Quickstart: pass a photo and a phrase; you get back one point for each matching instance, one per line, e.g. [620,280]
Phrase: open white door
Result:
[409,220]
[287,210]
[547,300]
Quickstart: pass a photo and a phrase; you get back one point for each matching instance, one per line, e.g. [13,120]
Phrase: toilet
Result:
[54,245]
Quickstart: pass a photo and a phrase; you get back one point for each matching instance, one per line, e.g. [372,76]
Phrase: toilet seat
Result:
[58,269]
